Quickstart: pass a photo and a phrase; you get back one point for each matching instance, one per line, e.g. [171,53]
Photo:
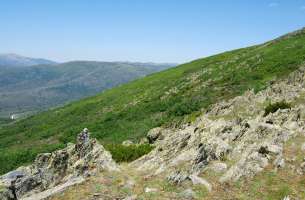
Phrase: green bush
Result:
[121,153]
[273,107]
[184,108]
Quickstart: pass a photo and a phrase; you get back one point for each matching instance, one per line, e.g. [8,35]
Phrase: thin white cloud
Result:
[273,4]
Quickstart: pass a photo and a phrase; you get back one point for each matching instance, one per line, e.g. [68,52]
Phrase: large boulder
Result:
[154,134]
[213,149]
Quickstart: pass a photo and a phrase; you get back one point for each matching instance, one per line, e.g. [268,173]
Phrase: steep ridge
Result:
[168,98]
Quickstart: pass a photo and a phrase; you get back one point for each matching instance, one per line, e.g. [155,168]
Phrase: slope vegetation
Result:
[33,88]
[165,98]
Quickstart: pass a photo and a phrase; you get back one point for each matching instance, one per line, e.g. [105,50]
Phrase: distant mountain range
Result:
[25,88]
[21,61]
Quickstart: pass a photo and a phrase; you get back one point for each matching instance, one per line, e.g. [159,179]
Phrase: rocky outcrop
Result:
[154,134]
[235,132]
[57,169]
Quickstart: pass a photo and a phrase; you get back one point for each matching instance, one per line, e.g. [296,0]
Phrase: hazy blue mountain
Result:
[33,88]
[7,60]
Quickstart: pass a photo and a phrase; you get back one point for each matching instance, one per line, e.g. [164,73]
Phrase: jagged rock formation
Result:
[232,143]
[59,169]
[235,139]
[235,132]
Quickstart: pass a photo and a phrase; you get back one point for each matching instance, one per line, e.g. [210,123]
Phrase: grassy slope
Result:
[4,121]
[130,110]
[45,86]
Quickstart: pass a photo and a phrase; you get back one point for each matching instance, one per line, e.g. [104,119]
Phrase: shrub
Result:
[121,153]
[273,107]
[184,108]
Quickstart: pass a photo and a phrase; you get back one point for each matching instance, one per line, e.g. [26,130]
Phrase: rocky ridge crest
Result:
[52,172]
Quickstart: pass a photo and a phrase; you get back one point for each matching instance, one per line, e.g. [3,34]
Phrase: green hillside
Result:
[34,88]
[165,98]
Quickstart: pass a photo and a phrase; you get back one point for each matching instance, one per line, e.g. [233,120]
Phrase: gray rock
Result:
[150,190]
[144,141]
[6,194]
[276,149]
[247,166]
[154,134]
[132,197]
[178,177]
[28,183]
[279,162]
[54,190]
[218,167]
[188,194]
[214,149]
[127,143]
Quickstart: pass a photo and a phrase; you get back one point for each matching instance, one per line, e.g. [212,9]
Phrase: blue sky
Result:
[141,30]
